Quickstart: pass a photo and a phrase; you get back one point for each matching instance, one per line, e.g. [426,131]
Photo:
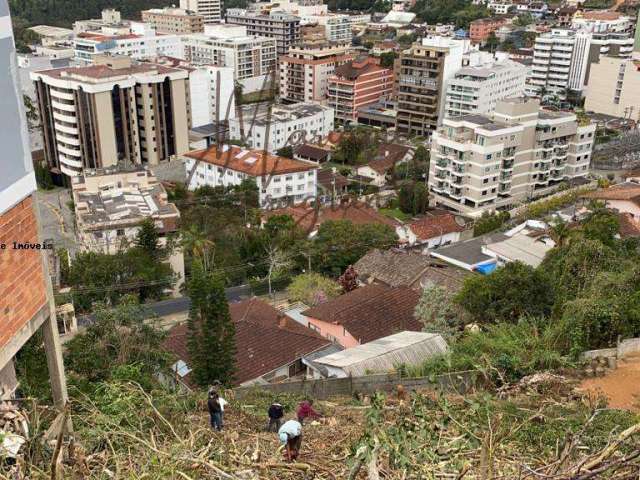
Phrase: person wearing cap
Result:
[290,435]
[275,412]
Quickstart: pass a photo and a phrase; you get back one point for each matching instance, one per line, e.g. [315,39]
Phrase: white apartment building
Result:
[560,62]
[280,181]
[337,27]
[488,162]
[477,89]
[499,8]
[611,32]
[110,21]
[614,88]
[211,10]
[142,42]
[286,125]
[211,90]
[253,59]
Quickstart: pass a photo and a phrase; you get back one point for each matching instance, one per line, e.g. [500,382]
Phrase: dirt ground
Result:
[620,386]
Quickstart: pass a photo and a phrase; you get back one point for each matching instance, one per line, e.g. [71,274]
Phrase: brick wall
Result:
[22,285]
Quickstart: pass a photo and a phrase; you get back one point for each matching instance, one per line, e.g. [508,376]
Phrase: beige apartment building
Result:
[305,71]
[173,20]
[114,111]
[614,88]
[484,163]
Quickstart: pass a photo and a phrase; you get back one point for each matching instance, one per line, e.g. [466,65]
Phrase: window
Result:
[120,232]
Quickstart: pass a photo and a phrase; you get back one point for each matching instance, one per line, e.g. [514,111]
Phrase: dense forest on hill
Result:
[63,13]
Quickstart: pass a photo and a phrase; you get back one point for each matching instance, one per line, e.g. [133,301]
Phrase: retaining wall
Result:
[461,382]
[624,347]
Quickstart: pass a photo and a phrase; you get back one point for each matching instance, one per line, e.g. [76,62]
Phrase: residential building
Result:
[110,21]
[337,27]
[211,10]
[614,88]
[50,36]
[396,19]
[421,74]
[379,356]
[560,62]
[280,180]
[331,184]
[477,89]
[407,268]
[385,46]
[26,295]
[611,33]
[305,71]
[381,114]
[116,110]
[564,16]
[479,30]
[110,205]
[356,84]
[274,127]
[623,198]
[260,332]
[173,20]
[435,229]
[365,314]
[284,27]
[140,42]
[381,167]
[253,59]
[500,8]
[487,162]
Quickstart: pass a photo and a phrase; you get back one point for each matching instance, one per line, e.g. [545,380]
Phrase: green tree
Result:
[387,59]
[148,239]
[438,313]
[286,152]
[340,243]
[123,334]
[312,288]
[211,340]
[492,42]
[508,294]
[601,225]
[489,222]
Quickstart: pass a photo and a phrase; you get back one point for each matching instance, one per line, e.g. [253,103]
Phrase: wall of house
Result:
[366,171]
[333,332]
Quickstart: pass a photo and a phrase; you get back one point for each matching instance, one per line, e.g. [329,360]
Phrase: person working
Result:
[276,412]
[215,411]
[305,410]
[290,434]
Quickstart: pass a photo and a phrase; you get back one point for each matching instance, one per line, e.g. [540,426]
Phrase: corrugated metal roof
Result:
[409,348]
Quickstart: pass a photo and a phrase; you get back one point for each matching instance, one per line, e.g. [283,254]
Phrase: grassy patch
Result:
[395,213]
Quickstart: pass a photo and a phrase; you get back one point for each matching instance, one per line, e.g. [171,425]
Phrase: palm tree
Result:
[560,233]
[195,241]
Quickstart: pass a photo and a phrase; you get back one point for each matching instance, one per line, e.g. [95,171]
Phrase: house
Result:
[280,180]
[332,184]
[623,198]
[436,229]
[312,153]
[389,155]
[379,356]
[310,218]
[365,314]
[269,345]
[406,268]
[527,243]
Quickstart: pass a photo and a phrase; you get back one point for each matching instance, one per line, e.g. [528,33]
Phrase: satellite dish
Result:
[460,221]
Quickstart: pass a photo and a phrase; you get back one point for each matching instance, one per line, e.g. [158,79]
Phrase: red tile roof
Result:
[623,191]
[436,225]
[629,227]
[309,218]
[371,312]
[266,339]
[252,162]
[388,156]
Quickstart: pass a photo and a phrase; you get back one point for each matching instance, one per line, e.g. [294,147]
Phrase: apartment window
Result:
[120,232]
[486,180]
[484,192]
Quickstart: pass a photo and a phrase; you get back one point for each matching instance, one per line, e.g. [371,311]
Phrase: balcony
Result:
[442,163]
[507,164]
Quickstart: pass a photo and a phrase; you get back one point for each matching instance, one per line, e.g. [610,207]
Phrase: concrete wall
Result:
[624,348]
[459,382]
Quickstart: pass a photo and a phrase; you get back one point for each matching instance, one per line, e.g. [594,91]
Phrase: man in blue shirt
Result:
[291,435]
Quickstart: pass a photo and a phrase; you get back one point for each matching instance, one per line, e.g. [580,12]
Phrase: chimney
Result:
[282,322]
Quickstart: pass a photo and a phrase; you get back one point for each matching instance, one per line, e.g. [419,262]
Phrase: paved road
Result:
[57,218]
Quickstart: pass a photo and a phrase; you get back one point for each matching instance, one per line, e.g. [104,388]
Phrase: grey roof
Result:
[522,248]
[385,354]
[469,252]
[257,114]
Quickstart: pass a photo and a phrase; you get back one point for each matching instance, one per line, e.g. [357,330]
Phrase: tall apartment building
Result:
[253,59]
[487,162]
[356,84]
[614,88]
[337,27]
[421,74]
[560,62]
[305,71]
[211,10]
[173,20]
[284,125]
[114,111]
[477,89]
[26,296]
[611,33]
[284,27]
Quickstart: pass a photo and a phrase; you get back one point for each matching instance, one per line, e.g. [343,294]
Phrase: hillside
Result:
[541,428]
[63,13]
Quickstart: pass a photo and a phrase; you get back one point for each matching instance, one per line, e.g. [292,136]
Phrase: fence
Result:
[460,382]
[623,348]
